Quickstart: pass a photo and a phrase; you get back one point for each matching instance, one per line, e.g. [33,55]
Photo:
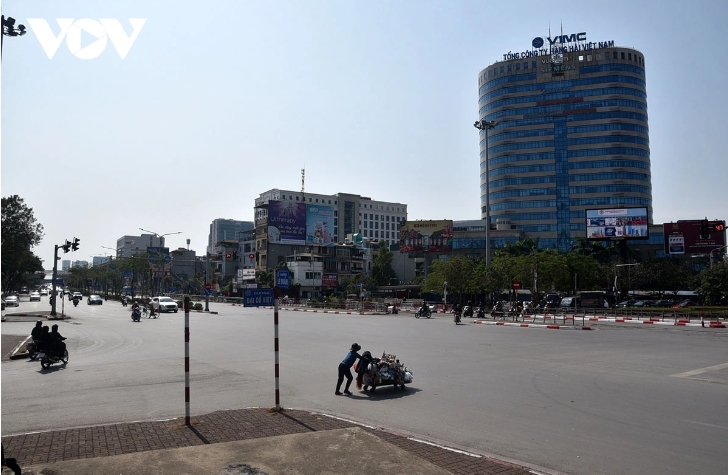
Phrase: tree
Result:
[382,270]
[713,283]
[20,233]
[458,272]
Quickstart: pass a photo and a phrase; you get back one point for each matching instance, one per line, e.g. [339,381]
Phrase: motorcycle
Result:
[136,314]
[47,359]
[123,302]
[32,349]
[456,316]
[468,311]
[481,312]
[426,312]
[75,302]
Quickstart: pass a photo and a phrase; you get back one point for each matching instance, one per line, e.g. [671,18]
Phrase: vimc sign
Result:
[102,30]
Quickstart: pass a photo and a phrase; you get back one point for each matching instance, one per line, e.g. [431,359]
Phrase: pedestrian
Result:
[345,369]
[362,368]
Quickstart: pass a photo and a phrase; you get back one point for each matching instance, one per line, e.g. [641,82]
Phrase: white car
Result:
[164,304]
[34,296]
[12,301]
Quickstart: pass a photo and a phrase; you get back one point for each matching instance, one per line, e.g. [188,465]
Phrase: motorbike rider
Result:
[45,339]
[37,332]
[57,345]
[456,308]
[424,309]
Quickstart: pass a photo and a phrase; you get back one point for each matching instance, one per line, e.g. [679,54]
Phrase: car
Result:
[3,304]
[164,304]
[76,295]
[95,300]
[682,304]
[43,292]
[35,296]
[640,303]
[626,303]
[663,303]
[12,301]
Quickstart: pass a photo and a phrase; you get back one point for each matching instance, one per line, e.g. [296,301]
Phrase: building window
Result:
[387,219]
[525,66]
[629,56]
[533,64]
[518,66]
[316,200]
[296,198]
[509,68]
[283,197]
[502,69]
[329,201]
[622,54]
[365,216]
[588,57]
[599,56]
[581,57]
[614,55]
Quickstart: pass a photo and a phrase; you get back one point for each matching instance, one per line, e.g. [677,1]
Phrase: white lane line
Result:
[706,424]
[695,372]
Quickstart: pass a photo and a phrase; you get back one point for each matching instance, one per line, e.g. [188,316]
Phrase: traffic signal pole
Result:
[53,283]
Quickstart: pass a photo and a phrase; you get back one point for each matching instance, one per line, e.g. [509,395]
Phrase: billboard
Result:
[683,237]
[329,280]
[319,225]
[617,224]
[426,236]
[286,222]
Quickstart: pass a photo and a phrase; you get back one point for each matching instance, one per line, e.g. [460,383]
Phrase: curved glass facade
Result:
[567,138]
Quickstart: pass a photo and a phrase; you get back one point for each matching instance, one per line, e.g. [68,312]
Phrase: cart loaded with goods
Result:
[384,371]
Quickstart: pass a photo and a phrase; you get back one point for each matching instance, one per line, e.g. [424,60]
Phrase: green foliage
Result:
[20,233]
[382,270]
[197,306]
[712,283]
[458,272]
[265,278]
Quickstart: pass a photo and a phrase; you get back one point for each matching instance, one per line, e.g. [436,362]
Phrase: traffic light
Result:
[704,229]
[228,256]
[251,256]
[66,247]
[74,246]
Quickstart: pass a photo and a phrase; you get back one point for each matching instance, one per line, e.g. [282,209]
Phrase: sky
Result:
[216,102]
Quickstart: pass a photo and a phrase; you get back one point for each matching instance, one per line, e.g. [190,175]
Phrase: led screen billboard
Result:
[286,222]
[320,225]
[429,236]
[683,237]
[616,224]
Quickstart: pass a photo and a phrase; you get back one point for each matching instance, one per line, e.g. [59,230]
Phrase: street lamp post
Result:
[161,242]
[9,29]
[485,126]
[711,254]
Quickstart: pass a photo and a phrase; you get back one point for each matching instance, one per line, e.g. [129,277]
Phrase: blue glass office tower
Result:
[571,134]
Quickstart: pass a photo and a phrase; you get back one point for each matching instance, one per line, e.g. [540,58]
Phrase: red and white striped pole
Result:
[187,360]
[275,335]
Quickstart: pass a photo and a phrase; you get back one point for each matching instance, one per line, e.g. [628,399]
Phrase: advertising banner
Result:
[683,237]
[329,280]
[429,236]
[617,224]
[319,225]
[286,222]
[248,274]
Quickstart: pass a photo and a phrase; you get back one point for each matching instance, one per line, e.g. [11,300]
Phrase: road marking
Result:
[706,424]
[444,447]
[695,372]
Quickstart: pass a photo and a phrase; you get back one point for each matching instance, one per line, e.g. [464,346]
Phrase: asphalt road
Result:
[613,400]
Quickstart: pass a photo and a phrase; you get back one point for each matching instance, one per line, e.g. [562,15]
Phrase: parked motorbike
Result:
[49,358]
[136,314]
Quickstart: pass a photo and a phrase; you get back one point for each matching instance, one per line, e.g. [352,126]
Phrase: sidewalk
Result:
[251,441]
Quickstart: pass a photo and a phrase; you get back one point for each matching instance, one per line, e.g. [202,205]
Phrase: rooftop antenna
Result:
[303,182]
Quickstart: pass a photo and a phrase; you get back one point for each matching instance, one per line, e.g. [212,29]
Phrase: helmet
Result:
[54,327]
[39,323]
[355,346]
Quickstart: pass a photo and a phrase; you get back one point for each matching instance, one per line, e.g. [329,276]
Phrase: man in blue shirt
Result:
[345,369]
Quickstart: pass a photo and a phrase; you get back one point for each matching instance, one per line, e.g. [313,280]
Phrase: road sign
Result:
[282,278]
[208,286]
[358,284]
[257,297]
[516,284]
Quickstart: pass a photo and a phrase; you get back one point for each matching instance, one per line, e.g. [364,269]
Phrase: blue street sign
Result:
[257,297]
[358,284]
[128,273]
[207,293]
[282,278]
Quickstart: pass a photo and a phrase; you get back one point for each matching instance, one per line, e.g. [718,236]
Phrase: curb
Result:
[15,355]
[531,325]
